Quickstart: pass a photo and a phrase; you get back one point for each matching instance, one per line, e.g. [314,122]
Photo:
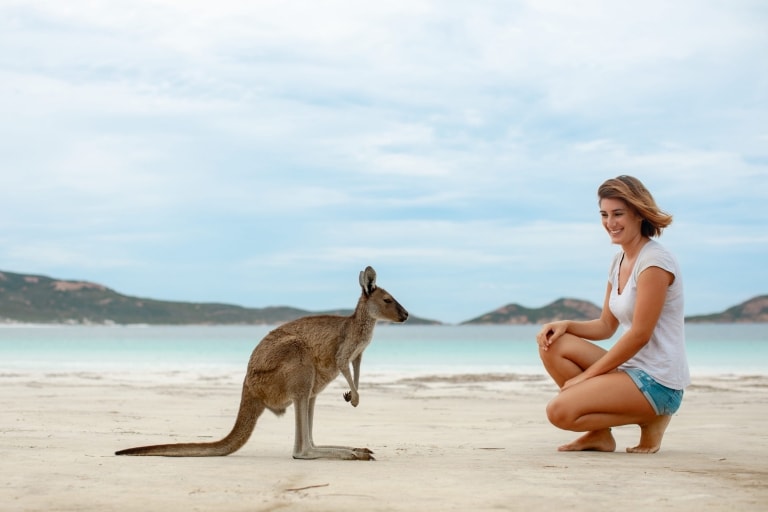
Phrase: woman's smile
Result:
[616,215]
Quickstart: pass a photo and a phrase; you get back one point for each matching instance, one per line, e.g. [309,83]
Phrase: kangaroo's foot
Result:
[334,452]
[596,440]
[651,434]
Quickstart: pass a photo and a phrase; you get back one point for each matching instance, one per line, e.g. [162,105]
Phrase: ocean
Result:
[396,350]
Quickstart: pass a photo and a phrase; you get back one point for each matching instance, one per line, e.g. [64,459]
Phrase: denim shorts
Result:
[665,401]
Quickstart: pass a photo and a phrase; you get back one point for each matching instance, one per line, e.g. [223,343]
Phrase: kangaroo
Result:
[293,364]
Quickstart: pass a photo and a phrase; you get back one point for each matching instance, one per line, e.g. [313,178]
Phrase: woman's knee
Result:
[559,414]
[544,355]
[574,350]
[553,353]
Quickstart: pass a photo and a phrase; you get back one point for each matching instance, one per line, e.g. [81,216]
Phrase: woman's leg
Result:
[564,359]
[651,434]
[568,357]
[598,403]
[602,402]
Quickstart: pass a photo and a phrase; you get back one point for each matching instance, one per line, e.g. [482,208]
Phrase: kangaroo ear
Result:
[368,280]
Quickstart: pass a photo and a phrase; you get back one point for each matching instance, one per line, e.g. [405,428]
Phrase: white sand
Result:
[469,444]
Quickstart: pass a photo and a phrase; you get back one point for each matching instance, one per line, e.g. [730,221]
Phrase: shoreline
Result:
[195,373]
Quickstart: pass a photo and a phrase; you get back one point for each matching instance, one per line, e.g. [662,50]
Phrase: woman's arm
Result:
[598,329]
[652,284]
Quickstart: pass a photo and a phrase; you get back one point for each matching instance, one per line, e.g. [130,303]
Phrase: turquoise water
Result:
[712,348]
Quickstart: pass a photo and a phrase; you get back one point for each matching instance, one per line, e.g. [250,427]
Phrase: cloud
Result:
[425,243]
[458,145]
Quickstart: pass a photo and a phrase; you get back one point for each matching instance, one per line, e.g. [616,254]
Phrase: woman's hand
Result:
[550,333]
[572,382]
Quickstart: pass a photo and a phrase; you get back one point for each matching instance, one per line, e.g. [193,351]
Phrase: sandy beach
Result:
[471,442]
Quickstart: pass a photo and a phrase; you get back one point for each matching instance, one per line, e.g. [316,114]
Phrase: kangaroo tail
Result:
[250,410]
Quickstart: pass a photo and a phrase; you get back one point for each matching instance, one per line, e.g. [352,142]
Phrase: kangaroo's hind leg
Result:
[311,412]
[303,446]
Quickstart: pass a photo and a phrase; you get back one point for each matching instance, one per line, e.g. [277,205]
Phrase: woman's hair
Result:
[633,192]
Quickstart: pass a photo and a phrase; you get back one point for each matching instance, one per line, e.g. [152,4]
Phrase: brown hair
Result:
[630,190]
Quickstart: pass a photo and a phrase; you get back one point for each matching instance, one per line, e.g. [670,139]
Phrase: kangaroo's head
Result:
[379,303]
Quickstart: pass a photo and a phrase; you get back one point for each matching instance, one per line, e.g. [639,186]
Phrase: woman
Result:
[640,380]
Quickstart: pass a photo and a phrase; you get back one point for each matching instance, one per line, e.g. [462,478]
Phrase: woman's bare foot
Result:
[595,440]
[651,434]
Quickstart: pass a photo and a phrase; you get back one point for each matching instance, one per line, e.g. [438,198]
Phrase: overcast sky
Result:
[264,152]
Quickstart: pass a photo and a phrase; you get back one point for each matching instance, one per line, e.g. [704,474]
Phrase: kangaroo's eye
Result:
[387,301]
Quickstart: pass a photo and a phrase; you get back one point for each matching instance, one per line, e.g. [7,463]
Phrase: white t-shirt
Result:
[663,357]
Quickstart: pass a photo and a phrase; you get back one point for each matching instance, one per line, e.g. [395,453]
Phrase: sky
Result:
[263,153]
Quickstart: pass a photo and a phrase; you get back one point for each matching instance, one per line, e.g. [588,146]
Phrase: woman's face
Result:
[620,221]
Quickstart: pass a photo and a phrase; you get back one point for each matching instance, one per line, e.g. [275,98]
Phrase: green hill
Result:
[561,309]
[752,311]
[39,299]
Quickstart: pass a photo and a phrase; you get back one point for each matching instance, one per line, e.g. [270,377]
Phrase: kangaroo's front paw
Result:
[349,396]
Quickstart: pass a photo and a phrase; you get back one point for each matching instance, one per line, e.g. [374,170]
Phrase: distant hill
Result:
[752,311]
[40,299]
[44,300]
[561,309]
